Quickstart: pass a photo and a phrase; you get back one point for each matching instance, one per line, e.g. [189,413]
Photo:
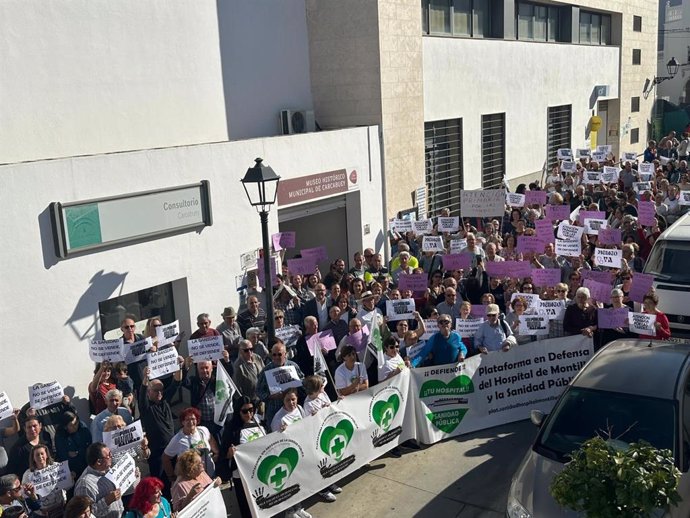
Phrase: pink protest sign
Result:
[303,266]
[274,270]
[645,213]
[317,254]
[596,275]
[641,284]
[545,230]
[508,268]
[530,244]
[591,214]
[610,236]
[546,276]
[413,282]
[599,291]
[283,240]
[535,197]
[558,212]
[457,261]
[612,318]
[478,311]
[358,340]
[323,340]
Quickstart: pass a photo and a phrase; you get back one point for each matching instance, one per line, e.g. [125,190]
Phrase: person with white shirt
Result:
[394,363]
[351,376]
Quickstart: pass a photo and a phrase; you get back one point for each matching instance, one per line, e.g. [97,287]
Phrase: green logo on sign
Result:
[384,412]
[83,225]
[459,385]
[275,470]
[448,420]
[335,439]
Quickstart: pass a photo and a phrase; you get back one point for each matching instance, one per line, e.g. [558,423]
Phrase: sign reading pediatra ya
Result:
[316,186]
[95,224]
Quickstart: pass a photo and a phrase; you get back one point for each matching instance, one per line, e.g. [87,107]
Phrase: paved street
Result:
[464,477]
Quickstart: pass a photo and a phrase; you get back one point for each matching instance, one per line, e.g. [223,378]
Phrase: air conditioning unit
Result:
[296,121]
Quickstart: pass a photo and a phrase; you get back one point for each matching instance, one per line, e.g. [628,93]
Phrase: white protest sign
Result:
[568,248]
[605,148]
[468,327]
[248,259]
[642,186]
[646,168]
[402,225]
[630,156]
[642,323]
[458,245]
[162,362]
[136,351]
[42,395]
[6,408]
[431,326]
[609,257]
[432,244]
[684,198]
[207,504]
[125,438]
[55,476]
[583,152]
[401,309]
[123,474]
[106,350]
[598,157]
[564,154]
[609,174]
[553,309]
[568,167]
[167,334]
[593,225]
[482,204]
[534,325]
[591,177]
[515,200]
[448,224]
[570,232]
[664,160]
[421,202]
[206,349]
[282,378]
[289,334]
[645,177]
[421,227]
[532,300]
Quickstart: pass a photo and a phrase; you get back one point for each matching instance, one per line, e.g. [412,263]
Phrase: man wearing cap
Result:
[494,334]
[445,346]
[230,331]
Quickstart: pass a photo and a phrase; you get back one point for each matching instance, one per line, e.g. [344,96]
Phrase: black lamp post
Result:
[261,185]
[672,67]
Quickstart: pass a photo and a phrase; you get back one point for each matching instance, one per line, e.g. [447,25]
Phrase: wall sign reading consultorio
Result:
[95,224]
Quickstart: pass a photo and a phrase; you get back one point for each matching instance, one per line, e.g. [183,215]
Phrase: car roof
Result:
[679,231]
[632,367]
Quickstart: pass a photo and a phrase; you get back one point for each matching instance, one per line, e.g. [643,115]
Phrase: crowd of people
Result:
[187,452]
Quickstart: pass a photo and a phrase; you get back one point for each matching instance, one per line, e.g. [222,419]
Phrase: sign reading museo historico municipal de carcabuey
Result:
[317,186]
[95,224]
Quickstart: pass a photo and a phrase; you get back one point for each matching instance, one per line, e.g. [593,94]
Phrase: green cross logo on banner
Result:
[275,470]
[335,439]
[384,412]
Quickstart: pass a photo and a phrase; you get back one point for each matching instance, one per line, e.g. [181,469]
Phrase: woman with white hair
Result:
[580,317]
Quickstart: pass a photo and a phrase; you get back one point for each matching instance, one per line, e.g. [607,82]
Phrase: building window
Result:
[559,122]
[634,135]
[637,23]
[537,22]
[443,165]
[595,28]
[634,104]
[156,301]
[469,18]
[636,56]
[493,150]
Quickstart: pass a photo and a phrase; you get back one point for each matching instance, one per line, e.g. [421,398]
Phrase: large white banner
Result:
[207,504]
[282,469]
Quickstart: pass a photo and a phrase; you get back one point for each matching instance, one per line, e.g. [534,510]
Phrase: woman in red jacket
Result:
[663,330]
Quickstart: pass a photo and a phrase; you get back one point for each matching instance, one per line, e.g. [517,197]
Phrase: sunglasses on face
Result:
[443,322]
[248,349]
[394,347]
[247,410]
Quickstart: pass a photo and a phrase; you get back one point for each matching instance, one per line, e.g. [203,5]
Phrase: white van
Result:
[669,262]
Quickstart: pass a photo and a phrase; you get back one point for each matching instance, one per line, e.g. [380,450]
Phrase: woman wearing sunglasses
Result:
[394,364]
[243,428]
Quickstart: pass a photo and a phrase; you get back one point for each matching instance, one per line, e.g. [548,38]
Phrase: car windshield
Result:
[668,261]
[584,413]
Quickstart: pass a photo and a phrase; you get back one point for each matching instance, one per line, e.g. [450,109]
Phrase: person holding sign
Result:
[519,305]
[351,376]
[102,382]
[20,454]
[446,346]
[93,484]
[191,479]
[139,451]
[663,329]
[394,363]
[274,401]
[148,500]
[54,502]
[114,398]
[494,334]
[191,437]
[71,441]
[8,431]
[129,335]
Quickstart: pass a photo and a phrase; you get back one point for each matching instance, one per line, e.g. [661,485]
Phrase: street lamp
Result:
[672,67]
[261,185]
